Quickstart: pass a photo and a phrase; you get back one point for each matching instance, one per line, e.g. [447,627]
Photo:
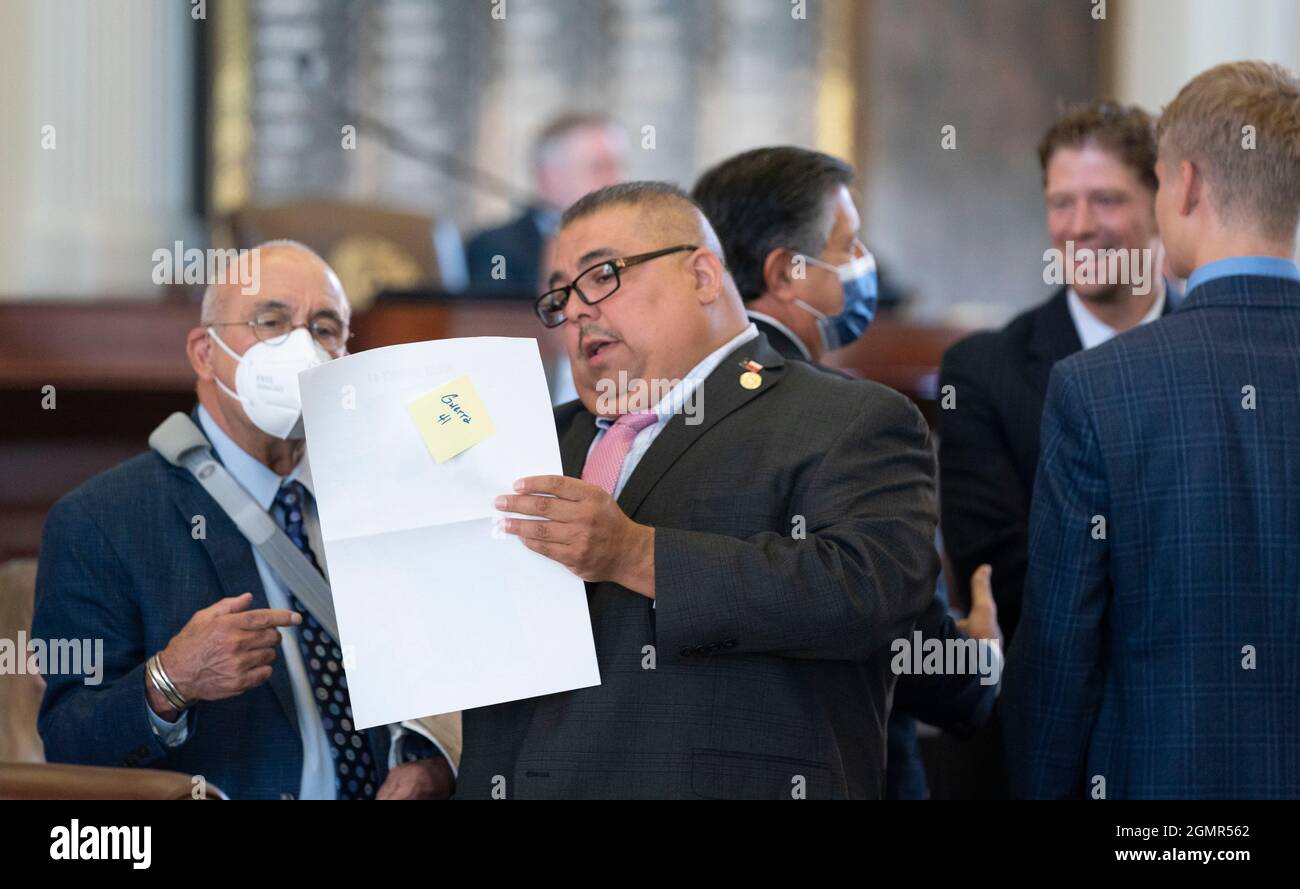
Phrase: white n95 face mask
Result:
[266,381]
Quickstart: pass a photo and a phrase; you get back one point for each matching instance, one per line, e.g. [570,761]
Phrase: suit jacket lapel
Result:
[232,557]
[722,394]
[1053,338]
[575,441]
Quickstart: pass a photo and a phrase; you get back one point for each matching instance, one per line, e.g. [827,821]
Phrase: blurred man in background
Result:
[1099,183]
[574,154]
[1157,654]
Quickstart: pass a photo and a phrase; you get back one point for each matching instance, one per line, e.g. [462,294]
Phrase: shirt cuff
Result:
[172,734]
[395,733]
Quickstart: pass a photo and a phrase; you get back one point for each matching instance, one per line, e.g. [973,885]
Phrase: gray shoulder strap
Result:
[181,443]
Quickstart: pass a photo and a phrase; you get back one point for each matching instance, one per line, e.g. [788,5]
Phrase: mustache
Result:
[588,331]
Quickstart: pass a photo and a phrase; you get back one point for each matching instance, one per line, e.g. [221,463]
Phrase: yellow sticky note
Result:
[451,419]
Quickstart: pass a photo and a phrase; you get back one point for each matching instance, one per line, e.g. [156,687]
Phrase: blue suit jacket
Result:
[1131,661]
[520,242]
[118,562]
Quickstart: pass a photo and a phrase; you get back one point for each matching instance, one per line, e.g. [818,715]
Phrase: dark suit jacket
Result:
[520,242]
[772,652]
[988,446]
[957,703]
[785,346]
[118,563]
[1129,662]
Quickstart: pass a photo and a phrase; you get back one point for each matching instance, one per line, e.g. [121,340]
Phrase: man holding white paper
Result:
[748,560]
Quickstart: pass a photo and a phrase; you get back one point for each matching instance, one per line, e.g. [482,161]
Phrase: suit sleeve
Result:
[984,514]
[478,260]
[958,703]
[859,577]
[1054,673]
[83,592]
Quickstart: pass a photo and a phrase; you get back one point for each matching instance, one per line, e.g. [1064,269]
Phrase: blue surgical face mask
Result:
[861,293]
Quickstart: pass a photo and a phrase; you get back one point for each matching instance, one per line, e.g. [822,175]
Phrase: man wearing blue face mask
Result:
[211,663]
[788,227]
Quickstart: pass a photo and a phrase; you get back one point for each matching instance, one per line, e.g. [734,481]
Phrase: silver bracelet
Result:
[164,684]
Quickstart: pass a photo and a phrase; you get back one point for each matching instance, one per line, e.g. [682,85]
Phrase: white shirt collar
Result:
[1092,330]
[671,401]
[253,475]
[794,338]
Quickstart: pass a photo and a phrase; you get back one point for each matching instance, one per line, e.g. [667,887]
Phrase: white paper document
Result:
[437,611]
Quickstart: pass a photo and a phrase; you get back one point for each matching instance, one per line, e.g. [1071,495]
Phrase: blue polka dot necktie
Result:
[354,765]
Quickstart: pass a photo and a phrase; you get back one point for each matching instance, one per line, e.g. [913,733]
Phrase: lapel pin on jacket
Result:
[751,378]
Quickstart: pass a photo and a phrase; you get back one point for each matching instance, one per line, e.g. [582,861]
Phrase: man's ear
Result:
[1191,187]
[198,347]
[709,274]
[779,273]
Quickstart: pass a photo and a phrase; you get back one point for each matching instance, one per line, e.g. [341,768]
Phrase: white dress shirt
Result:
[1092,330]
[790,334]
[678,395]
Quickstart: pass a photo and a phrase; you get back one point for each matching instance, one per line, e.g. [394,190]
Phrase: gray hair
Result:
[681,209]
[212,294]
[548,145]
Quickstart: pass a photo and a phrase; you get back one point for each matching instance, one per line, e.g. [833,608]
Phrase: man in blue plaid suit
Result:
[1158,653]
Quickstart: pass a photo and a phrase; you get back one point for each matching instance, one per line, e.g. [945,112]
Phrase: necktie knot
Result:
[605,462]
[292,495]
[634,423]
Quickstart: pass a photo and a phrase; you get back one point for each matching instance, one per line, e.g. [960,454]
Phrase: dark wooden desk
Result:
[118,368]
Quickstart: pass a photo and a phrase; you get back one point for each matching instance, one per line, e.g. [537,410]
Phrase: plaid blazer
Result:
[1159,647]
[772,661]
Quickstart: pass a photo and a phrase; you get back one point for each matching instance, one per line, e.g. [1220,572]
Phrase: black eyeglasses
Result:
[273,327]
[594,284]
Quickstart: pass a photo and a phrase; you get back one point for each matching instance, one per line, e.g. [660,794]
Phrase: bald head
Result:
[655,315]
[241,275]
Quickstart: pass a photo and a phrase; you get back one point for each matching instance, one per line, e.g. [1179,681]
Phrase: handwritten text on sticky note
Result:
[451,419]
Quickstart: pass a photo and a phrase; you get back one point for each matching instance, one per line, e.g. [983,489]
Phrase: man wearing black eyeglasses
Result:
[744,580]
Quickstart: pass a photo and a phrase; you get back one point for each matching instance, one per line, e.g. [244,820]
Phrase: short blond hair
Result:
[1207,124]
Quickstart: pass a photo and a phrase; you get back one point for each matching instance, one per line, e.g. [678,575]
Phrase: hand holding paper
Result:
[583,529]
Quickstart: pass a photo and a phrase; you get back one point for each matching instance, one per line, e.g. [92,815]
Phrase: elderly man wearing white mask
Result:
[211,664]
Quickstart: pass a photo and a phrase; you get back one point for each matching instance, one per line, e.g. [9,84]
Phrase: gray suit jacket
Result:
[770,673]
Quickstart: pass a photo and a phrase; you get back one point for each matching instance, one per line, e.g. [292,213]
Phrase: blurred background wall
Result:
[168,114]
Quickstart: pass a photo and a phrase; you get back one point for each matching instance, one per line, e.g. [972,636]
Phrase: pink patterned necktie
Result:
[605,462]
